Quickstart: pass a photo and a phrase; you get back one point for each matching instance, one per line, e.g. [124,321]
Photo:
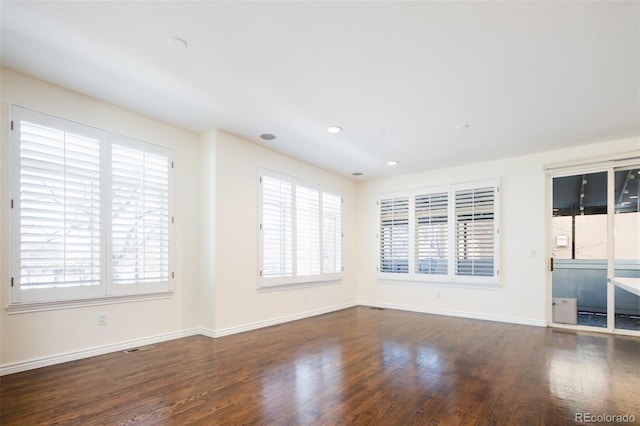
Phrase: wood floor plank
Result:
[359,366]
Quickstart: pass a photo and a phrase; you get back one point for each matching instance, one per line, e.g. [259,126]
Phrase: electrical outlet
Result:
[102,319]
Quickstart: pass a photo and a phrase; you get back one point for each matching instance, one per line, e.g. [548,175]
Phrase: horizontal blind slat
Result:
[60,202]
[140,216]
[475,232]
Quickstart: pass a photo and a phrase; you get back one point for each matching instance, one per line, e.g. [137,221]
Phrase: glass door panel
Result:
[627,249]
[579,232]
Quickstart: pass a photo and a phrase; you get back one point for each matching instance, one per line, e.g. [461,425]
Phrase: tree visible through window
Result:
[91,212]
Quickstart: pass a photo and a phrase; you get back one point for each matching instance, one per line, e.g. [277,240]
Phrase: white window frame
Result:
[451,277]
[295,277]
[165,285]
[48,298]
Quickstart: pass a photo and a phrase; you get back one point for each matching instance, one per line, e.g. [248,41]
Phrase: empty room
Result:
[319,212]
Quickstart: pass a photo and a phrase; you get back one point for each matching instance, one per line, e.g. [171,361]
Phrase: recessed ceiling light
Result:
[267,136]
[334,129]
[633,197]
[463,126]
[178,42]
[357,173]
[393,163]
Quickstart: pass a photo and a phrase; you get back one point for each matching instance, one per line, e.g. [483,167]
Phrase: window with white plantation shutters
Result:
[447,234]
[331,233]
[140,214]
[431,216]
[277,227]
[475,232]
[91,212]
[60,230]
[394,235]
[300,231]
[308,230]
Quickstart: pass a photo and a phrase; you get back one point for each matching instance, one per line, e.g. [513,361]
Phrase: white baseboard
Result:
[72,356]
[461,314]
[86,353]
[275,321]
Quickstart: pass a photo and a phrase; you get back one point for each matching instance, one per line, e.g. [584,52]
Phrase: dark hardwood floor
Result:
[359,366]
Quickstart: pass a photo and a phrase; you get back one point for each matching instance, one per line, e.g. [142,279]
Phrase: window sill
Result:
[21,308]
[488,284]
[265,288]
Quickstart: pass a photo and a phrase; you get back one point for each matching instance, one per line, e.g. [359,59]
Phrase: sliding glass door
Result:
[595,258]
[626,274]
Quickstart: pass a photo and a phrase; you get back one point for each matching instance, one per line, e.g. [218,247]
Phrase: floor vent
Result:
[140,349]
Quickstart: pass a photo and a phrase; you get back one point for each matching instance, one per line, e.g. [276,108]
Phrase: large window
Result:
[300,230]
[446,234]
[91,212]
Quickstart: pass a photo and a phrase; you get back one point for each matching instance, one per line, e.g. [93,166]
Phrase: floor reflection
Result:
[579,374]
[408,362]
[304,378]
[357,367]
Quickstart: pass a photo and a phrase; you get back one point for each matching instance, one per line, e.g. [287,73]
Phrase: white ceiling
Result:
[397,76]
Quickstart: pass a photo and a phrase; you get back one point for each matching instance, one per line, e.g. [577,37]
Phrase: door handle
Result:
[551,264]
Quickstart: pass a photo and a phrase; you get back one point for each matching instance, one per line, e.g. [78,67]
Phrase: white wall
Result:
[29,336]
[217,239]
[207,225]
[523,292]
[238,304]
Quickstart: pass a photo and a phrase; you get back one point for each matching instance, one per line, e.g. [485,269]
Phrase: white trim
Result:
[17,367]
[611,244]
[600,162]
[426,280]
[301,284]
[82,303]
[459,314]
[280,320]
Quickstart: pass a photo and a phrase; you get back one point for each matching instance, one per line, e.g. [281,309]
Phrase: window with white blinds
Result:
[331,233]
[308,242]
[62,187]
[394,234]
[140,215]
[475,232]
[277,227]
[58,206]
[300,231]
[447,234]
[431,233]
